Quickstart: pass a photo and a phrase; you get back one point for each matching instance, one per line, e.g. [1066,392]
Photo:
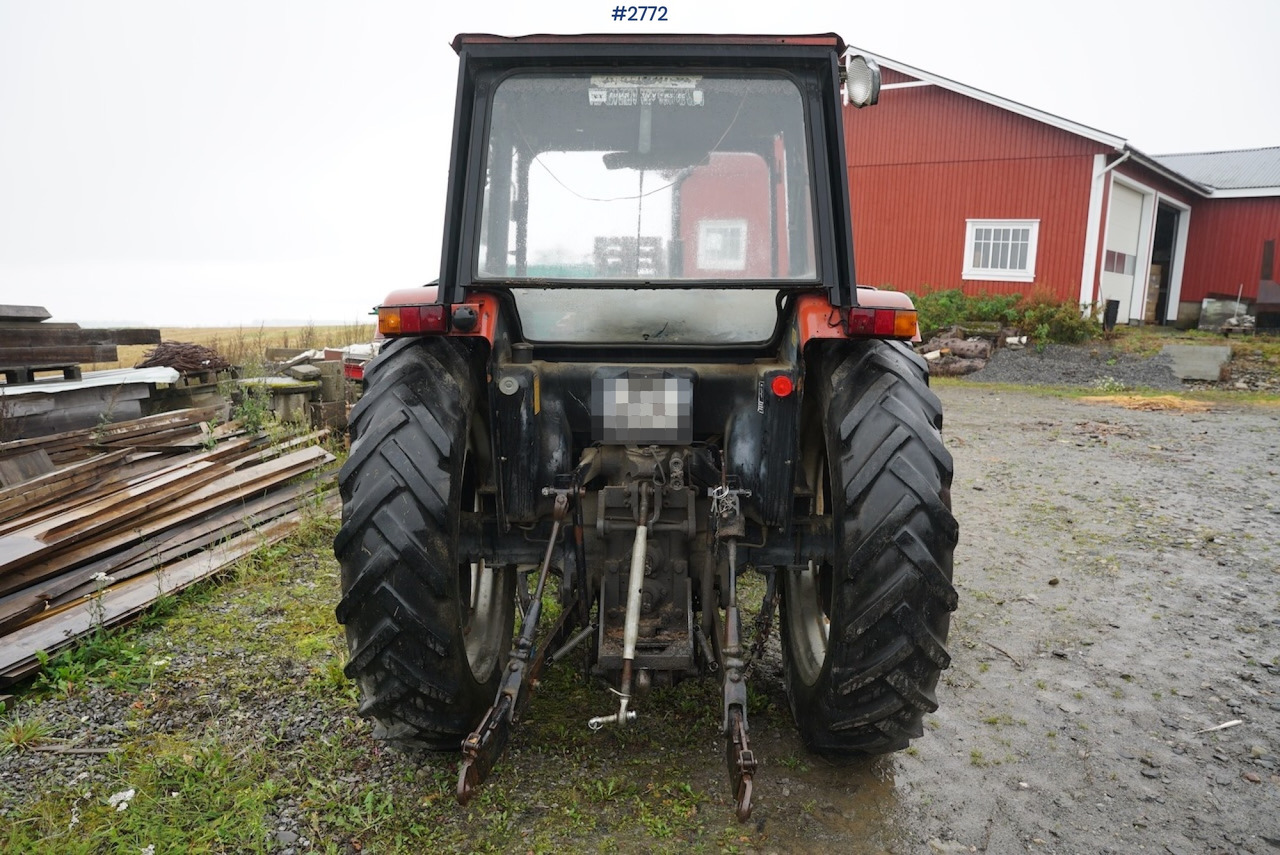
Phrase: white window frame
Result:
[706,261]
[986,274]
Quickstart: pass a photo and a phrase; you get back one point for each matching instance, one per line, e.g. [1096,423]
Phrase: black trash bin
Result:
[1109,315]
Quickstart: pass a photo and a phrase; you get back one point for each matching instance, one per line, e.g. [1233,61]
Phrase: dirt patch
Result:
[1152,404]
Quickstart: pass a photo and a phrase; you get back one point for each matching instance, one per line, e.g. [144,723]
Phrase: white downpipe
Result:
[1116,163]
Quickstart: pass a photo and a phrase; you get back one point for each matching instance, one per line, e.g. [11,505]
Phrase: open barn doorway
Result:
[1163,247]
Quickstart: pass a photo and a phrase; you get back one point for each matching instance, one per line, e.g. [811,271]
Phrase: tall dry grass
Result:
[247,346]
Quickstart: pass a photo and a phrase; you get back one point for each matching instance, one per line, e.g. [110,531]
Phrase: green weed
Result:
[17,733]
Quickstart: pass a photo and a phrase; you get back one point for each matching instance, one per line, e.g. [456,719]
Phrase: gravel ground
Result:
[1064,365]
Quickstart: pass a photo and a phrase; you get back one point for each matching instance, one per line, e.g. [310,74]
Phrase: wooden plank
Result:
[187,541]
[179,542]
[73,438]
[51,561]
[44,325]
[41,335]
[55,440]
[25,314]
[120,602]
[82,491]
[32,494]
[24,467]
[48,355]
[23,547]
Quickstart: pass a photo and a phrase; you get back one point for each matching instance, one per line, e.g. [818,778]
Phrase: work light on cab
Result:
[862,80]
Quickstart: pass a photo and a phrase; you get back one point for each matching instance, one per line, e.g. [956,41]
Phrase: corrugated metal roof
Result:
[1245,169]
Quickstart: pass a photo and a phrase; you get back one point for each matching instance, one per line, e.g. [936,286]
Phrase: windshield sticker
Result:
[648,81]
[645,90]
[645,98]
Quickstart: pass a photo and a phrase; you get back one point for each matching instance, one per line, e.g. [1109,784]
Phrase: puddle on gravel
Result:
[850,806]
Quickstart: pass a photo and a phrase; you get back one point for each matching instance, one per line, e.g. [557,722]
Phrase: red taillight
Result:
[882,323]
[782,385]
[862,322]
[412,320]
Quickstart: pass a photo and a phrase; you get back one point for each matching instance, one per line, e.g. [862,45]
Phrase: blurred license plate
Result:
[636,406]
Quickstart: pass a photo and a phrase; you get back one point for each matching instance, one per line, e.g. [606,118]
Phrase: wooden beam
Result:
[39,335]
[25,314]
[19,356]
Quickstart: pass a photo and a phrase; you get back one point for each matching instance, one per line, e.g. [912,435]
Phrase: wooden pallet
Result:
[23,374]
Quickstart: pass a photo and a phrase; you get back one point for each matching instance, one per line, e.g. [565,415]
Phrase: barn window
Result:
[722,244]
[1001,250]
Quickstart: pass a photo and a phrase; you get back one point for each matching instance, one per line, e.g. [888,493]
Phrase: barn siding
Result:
[1224,247]
[926,159]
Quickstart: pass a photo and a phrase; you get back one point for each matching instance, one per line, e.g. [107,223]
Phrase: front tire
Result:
[426,632]
[862,638]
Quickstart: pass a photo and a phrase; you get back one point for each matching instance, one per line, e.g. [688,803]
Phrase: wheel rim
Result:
[483,629]
[808,600]
[487,606]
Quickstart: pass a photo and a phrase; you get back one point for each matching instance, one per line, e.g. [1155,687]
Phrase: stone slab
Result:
[1197,362]
[304,372]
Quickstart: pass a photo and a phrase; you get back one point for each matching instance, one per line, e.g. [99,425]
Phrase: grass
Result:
[17,733]
[1149,340]
[237,711]
[247,346]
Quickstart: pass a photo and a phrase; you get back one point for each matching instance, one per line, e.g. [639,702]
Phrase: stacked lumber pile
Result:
[29,345]
[97,525]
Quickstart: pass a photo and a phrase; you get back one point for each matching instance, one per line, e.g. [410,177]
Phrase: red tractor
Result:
[645,370]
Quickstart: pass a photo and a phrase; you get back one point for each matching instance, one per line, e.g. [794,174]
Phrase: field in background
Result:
[246,346]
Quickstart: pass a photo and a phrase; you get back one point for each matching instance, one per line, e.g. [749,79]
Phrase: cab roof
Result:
[830,40]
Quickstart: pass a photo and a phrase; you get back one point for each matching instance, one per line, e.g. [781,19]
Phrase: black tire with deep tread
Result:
[403,596]
[890,592]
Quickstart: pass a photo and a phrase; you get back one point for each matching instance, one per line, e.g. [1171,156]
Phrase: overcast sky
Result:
[179,163]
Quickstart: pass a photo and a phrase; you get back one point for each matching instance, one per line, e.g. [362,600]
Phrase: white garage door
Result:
[1120,258]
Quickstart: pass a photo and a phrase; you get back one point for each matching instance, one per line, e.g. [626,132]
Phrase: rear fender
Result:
[817,318]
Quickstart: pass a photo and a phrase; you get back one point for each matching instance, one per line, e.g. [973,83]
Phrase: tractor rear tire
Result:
[862,638]
[427,634]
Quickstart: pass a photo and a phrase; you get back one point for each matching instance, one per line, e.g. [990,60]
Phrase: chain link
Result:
[763,625]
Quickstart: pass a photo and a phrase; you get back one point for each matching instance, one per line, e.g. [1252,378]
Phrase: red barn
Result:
[953,187]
